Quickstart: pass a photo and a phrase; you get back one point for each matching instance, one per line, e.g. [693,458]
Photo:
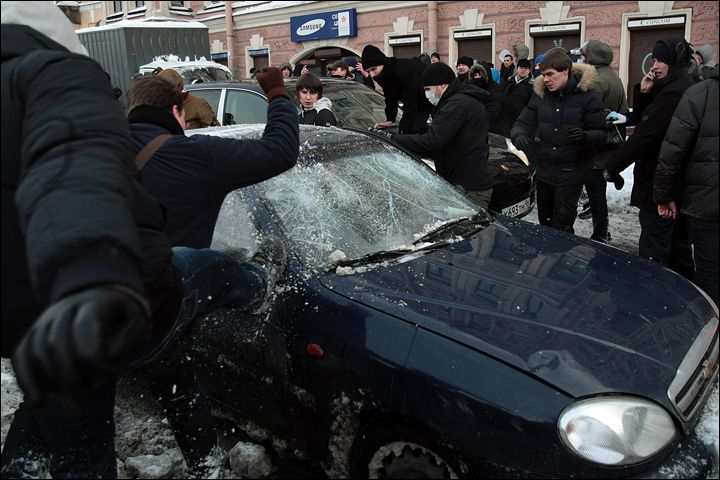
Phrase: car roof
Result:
[252,84]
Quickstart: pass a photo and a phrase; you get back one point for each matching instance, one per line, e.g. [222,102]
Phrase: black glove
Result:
[271,81]
[381,131]
[522,142]
[81,340]
[614,178]
[577,135]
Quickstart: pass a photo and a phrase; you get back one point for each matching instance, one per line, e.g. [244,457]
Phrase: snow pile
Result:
[250,460]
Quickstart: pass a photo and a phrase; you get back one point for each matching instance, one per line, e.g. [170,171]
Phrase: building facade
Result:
[317,33]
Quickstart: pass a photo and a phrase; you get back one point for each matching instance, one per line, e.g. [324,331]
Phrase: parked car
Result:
[192,71]
[416,335]
[359,107]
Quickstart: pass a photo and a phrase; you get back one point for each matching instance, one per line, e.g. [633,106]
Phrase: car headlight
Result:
[615,430]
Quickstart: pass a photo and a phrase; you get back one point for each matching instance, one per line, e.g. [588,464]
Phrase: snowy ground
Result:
[146,447]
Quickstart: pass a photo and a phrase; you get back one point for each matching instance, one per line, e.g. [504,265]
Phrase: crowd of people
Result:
[108,215]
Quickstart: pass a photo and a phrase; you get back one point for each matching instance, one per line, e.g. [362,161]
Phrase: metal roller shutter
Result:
[480,49]
[545,43]
[260,61]
[406,51]
[641,45]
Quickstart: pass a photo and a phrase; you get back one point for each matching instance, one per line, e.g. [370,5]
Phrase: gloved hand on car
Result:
[81,340]
[577,135]
[381,131]
[271,81]
[522,142]
[615,118]
[614,178]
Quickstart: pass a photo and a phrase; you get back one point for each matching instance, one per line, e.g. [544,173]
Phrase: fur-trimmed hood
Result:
[585,79]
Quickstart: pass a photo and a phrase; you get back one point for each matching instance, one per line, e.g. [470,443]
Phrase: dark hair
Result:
[309,82]
[557,59]
[435,54]
[154,91]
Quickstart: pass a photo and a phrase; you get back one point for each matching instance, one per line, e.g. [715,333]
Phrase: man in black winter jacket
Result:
[654,101]
[516,94]
[565,121]
[400,81]
[687,175]
[457,139]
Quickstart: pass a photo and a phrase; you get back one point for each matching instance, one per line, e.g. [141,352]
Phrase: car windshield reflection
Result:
[360,197]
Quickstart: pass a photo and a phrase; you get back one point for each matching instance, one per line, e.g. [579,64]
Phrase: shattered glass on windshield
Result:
[359,197]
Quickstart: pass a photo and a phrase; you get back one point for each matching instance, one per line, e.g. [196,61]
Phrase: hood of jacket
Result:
[582,78]
[43,17]
[706,53]
[598,53]
[521,51]
[460,87]
[323,103]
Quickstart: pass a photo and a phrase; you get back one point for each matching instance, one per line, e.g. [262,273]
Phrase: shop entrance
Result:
[318,59]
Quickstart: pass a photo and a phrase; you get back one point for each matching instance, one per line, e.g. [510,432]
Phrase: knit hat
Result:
[437,73]
[465,61]
[524,63]
[372,57]
[673,51]
[338,64]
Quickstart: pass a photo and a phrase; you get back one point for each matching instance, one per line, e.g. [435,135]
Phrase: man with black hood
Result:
[457,139]
[663,240]
[480,76]
[400,81]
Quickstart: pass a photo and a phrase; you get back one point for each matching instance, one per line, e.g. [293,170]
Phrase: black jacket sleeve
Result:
[445,125]
[74,200]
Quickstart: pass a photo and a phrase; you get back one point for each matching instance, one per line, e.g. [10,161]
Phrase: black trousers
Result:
[557,205]
[704,237]
[666,241]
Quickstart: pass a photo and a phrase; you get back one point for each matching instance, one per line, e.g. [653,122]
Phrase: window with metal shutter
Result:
[480,49]
[406,51]
[545,43]
[641,45]
[260,61]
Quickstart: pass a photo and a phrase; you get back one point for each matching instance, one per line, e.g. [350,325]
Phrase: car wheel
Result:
[386,449]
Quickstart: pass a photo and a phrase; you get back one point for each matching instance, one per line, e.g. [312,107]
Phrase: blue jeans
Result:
[704,237]
[211,280]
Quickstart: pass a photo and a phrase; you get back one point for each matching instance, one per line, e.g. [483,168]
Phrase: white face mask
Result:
[430,95]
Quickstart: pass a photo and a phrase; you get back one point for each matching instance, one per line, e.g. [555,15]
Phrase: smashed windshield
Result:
[359,197]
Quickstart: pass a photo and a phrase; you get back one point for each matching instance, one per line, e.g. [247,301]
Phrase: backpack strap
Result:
[146,153]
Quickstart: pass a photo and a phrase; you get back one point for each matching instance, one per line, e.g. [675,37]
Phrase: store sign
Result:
[561,27]
[654,22]
[473,34]
[404,40]
[318,26]
[262,51]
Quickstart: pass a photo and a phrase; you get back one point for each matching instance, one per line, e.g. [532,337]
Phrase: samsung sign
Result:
[318,26]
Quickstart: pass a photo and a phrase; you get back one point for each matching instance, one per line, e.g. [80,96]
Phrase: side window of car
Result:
[244,107]
[235,227]
[210,96]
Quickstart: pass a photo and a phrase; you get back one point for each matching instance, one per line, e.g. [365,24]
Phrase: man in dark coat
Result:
[86,271]
[516,94]
[655,99]
[687,175]
[565,121]
[192,175]
[400,81]
[464,64]
[612,92]
[457,138]
[480,76]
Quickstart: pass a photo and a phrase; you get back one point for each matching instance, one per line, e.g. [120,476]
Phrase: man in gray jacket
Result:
[686,177]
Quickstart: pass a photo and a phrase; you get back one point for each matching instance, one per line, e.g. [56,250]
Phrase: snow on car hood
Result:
[582,316]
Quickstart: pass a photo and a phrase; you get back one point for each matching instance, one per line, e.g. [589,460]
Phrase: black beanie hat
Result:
[465,61]
[372,57]
[437,73]
[673,51]
[525,63]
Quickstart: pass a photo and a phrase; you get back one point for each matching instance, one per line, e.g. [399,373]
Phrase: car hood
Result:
[582,316]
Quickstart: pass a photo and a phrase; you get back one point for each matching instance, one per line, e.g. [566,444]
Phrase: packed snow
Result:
[146,447]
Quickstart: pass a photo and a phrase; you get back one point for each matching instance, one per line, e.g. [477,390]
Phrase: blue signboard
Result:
[317,26]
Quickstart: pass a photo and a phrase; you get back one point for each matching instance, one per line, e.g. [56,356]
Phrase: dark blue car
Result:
[415,335]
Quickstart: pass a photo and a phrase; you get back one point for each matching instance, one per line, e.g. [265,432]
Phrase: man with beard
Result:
[457,139]
[663,240]
[400,81]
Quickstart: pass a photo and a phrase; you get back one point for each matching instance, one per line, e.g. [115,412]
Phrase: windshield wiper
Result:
[466,225]
[374,257]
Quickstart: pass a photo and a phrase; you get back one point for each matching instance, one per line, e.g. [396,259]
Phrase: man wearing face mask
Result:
[663,240]
[457,139]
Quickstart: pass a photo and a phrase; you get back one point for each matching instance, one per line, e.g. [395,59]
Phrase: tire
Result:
[402,451]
